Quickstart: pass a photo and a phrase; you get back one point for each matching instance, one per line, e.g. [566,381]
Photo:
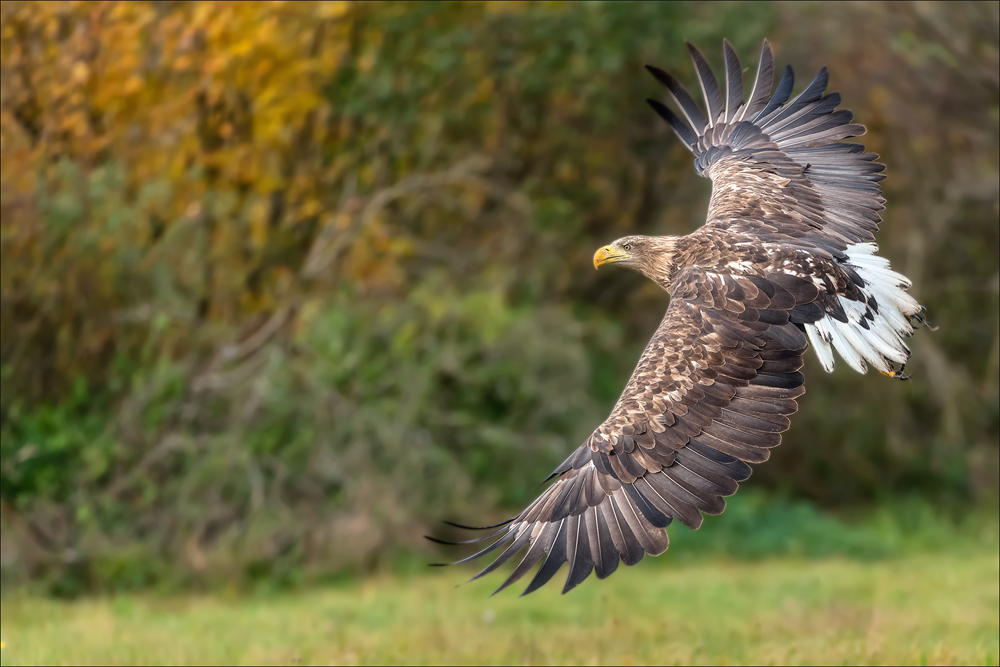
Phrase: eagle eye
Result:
[627,247]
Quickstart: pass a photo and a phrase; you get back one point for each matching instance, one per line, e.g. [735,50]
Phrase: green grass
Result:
[925,608]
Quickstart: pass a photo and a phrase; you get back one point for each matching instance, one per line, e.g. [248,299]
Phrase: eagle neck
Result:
[663,266]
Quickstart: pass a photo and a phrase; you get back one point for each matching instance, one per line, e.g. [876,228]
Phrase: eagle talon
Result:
[918,319]
[897,374]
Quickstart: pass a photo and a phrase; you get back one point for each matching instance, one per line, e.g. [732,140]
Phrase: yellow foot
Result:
[896,374]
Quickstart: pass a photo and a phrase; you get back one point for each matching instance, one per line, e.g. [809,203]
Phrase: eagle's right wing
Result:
[711,392]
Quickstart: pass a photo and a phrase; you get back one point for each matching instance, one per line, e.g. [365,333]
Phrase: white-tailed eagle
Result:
[786,258]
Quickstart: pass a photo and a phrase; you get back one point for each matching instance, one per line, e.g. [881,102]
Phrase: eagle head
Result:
[651,256]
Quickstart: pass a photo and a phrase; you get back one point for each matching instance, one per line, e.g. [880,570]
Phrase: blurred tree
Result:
[278,280]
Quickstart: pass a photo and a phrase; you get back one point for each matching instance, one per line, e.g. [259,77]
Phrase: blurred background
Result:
[285,284]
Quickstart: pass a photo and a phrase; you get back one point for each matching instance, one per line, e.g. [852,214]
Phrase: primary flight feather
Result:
[787,258]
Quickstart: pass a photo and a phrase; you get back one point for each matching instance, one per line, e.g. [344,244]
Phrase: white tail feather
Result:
[822,348]
[843,346]
[881,342]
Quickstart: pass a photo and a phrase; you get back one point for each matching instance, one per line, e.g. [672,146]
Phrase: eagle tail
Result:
[875,327]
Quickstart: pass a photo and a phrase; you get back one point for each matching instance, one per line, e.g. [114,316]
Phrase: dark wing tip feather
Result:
[581,562]
[681,97]
[762,83]
[536,551]
[554,559]
[472,541]
[506,539]
[496,525]
[660,75]
[734,81]
[666,79]
[519,542]
[680,128]
[781,95]
[709,86]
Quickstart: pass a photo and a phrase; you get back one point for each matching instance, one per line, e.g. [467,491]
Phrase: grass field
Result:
[929,608]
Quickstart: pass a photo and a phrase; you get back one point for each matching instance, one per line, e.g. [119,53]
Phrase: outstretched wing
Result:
[781,176]
[777,167]
[711,393]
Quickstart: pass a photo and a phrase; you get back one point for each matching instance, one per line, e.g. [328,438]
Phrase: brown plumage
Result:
[787,253]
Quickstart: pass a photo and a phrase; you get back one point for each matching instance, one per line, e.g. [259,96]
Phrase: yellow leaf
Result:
[81,72]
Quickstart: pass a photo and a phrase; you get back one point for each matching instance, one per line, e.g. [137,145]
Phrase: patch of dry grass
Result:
[920,609]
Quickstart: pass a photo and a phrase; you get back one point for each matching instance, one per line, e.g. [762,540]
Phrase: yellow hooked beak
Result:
[608,255]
